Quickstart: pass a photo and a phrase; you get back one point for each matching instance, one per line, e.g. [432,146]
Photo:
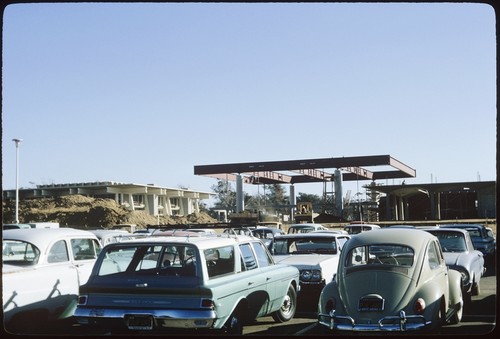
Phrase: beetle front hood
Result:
[392,284]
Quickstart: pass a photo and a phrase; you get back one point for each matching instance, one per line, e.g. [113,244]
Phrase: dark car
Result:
[481,236]
[266,235]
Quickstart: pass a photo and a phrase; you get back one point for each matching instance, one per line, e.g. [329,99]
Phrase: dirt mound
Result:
[85,212]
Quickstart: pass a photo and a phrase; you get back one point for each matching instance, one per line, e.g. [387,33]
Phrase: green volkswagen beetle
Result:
[391,280]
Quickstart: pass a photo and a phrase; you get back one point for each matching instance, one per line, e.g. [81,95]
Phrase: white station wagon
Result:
[176,283]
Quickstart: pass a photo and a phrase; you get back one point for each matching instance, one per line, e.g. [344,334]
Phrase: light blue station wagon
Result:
[205,283]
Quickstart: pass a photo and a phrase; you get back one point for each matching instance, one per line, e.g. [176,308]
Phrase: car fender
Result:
[331,290]
[455,287]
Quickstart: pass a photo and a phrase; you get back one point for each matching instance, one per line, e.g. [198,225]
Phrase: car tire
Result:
[457,316]
[288,307]
[234,325]
[476,288]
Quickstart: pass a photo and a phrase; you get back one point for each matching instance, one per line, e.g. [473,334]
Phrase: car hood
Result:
[454,258]
[311,259]
[392,285]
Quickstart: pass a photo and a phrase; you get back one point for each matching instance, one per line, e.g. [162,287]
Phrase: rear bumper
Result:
[401,323]
[187,319]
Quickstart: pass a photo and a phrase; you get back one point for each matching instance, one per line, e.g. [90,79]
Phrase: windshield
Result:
[305,245]
[451,241]
[396,255]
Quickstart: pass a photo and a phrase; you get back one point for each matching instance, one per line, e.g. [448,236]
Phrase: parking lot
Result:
[478,319]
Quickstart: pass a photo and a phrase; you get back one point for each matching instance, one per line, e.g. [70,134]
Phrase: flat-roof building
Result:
[152,199]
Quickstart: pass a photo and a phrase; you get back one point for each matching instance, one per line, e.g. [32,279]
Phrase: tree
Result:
[226,196]
[276,195]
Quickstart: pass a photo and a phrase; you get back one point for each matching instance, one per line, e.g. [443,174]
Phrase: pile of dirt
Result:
[84,212]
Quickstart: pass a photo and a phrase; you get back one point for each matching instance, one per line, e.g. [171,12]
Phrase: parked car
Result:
[267,235]
[358,228]
[15,226]
[305,228]
[460,255]
[107,236]
[42,272]
[315,254]
[203,283]
[203,231]
[271,224]
[238,230]
[391,280]
[482,238]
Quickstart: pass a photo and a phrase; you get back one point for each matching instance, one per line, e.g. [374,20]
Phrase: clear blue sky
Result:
[142,93]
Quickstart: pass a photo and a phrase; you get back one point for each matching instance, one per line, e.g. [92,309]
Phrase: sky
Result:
[144,92]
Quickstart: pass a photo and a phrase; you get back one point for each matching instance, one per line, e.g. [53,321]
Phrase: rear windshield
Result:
[395,255]
[305,245]
[170,259]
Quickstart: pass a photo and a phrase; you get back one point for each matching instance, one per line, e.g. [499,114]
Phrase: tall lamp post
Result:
[17,141]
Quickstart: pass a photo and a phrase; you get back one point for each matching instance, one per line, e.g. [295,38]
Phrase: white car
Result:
[315,254]
[358,228]
[42,273]
[107,236]
[305,228]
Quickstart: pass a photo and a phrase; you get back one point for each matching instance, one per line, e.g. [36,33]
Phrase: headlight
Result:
[310,275]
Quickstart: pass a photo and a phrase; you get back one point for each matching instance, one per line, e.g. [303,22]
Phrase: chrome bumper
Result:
[399,323]
[162,318]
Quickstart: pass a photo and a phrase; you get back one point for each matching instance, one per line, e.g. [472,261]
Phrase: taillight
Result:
[330,305]
[420,305]
[208,303]
[82,299]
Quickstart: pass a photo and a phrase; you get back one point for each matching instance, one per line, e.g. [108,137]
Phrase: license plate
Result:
[371,304]
[140,322]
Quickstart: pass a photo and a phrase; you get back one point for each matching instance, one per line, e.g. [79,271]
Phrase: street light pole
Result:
[17,141]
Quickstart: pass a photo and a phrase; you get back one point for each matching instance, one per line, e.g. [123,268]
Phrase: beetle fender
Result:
[455,283]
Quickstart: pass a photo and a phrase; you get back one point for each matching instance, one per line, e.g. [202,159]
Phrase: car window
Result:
[353,229]
[248,261]
[305,245]
[342,241]
[433,256]
[301,229]
[383,254]
[474,232]
[58,252]
[263,258]
[219,261]
[84,248]
[16,252]
[489,233]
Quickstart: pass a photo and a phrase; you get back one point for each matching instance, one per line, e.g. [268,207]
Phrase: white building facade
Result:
[152,199]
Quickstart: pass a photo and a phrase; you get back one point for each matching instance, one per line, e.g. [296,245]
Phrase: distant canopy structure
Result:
[308,171]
